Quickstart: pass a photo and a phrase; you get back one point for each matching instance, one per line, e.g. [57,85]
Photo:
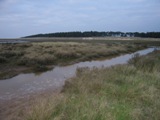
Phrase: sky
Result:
[20,18]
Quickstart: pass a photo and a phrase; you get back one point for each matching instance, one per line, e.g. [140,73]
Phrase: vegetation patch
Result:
[38,56]
[122,92]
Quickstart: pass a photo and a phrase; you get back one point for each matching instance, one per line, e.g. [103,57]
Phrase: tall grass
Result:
[39,56]
[123,92]
[146,63]
[60,52]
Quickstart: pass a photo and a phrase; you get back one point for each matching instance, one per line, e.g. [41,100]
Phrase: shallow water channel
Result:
[25,84]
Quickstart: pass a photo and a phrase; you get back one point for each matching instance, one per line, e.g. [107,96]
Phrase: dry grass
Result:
[123,92]
[38,56]
[101,98]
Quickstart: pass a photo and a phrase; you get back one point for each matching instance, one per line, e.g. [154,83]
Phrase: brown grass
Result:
[39,56]
[123,92]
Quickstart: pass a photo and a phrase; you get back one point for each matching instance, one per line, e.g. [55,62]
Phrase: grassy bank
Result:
[123,92]
[30,57]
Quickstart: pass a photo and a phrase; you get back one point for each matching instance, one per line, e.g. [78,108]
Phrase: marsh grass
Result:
[122,92]
[56,53]
[38,56]
[146,63]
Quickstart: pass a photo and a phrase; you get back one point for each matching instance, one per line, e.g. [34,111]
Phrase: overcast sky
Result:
[27,17]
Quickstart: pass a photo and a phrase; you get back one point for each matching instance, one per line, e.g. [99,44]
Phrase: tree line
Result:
[99,34]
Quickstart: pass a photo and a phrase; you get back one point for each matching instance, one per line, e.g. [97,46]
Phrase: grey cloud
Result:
[24,17]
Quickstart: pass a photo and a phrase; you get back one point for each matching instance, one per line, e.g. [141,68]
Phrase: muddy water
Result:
[25,84]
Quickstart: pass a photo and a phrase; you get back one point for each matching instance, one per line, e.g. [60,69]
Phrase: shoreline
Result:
[16,70]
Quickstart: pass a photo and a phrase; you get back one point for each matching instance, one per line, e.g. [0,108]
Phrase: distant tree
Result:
[99,34]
